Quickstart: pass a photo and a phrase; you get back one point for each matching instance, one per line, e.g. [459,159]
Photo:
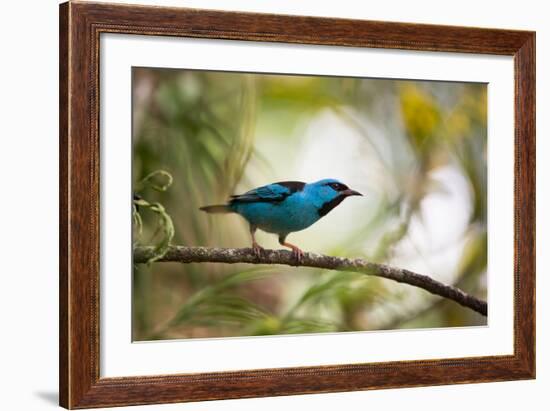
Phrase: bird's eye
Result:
[337,186]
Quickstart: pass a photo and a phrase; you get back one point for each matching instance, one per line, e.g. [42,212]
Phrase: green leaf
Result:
[213,301]
[149,181]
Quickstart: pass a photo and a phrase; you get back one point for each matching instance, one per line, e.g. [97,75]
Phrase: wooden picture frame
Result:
[80,27]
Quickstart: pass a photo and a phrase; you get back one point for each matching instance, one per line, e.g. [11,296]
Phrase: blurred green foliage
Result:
[216,134]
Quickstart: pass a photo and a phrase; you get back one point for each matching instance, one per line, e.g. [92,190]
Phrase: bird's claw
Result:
[298,255]
[257,250]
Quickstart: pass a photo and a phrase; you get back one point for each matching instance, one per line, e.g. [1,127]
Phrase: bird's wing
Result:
[275,192]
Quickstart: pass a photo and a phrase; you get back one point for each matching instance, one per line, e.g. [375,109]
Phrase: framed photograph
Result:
[259,205]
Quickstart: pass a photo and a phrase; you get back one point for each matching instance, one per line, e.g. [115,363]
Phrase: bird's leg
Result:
[298,254]
[258,250]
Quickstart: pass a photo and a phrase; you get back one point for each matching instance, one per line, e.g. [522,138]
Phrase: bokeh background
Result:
[416,150]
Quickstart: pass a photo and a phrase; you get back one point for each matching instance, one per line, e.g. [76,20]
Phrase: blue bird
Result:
[285,207]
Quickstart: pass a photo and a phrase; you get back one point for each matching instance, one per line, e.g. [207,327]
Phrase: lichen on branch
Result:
[181,254]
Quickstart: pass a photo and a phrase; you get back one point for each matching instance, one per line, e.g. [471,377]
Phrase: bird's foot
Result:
[298,254]
[257,249]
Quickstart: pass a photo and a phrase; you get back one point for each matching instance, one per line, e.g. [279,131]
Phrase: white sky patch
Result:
[434,241]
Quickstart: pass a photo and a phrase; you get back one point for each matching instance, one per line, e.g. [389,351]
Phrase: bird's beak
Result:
[349,192]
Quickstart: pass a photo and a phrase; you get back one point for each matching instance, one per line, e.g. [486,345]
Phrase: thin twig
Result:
[246,255]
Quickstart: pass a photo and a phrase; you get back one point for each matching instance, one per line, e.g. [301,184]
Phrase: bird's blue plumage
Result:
[287,206]
[271,193]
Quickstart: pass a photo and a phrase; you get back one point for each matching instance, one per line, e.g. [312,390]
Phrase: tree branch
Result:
[246,255]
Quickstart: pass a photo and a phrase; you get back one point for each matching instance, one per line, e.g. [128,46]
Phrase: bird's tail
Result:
[217,209]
